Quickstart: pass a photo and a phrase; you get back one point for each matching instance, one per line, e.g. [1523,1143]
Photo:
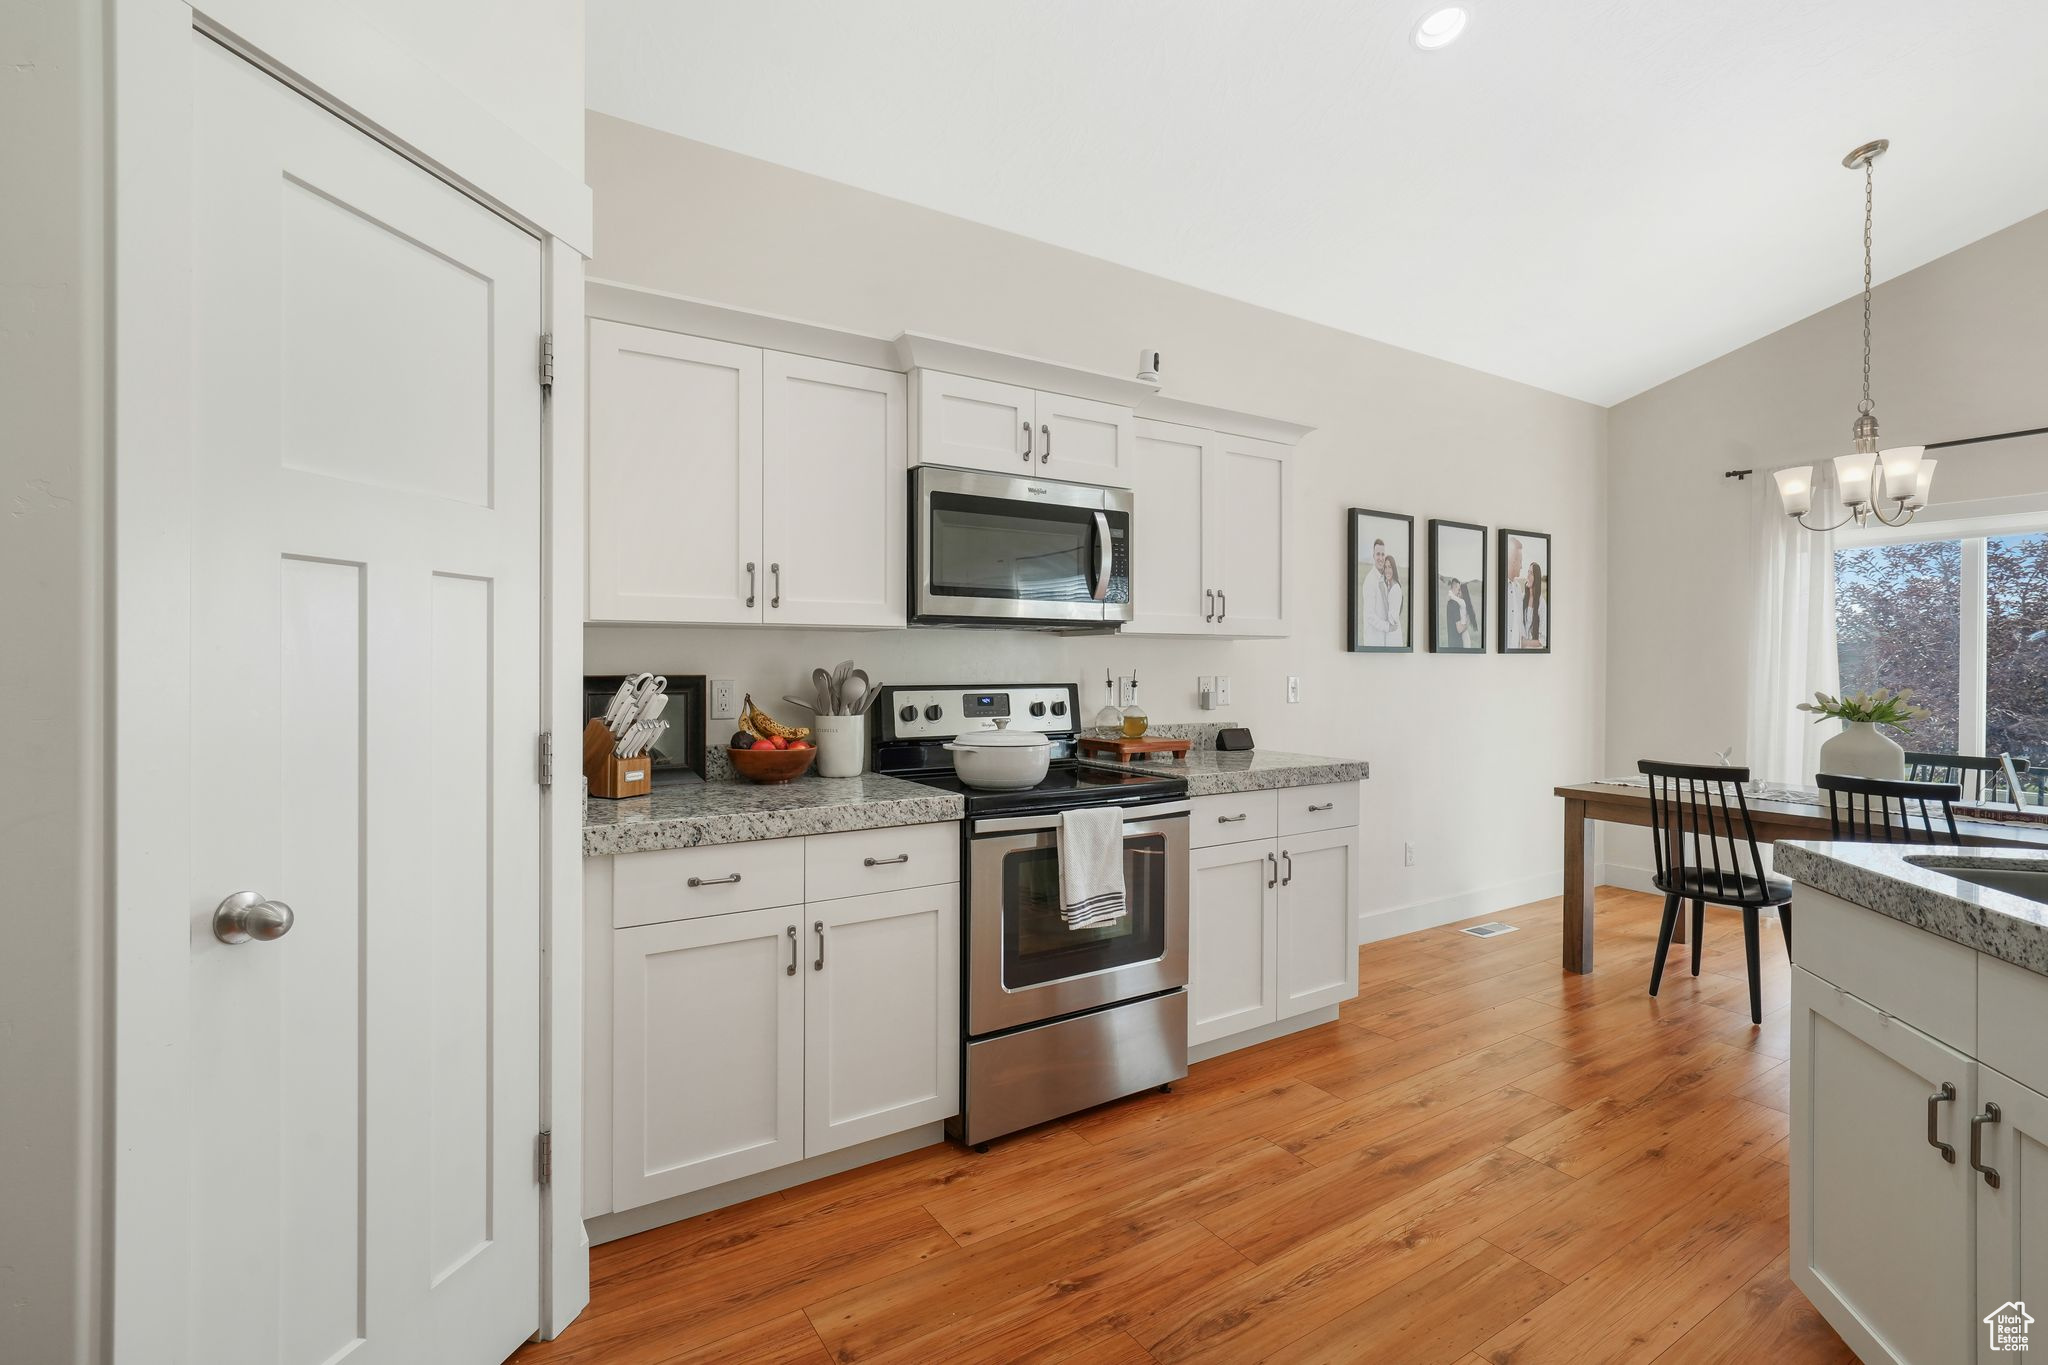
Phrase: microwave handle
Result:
[1102,558]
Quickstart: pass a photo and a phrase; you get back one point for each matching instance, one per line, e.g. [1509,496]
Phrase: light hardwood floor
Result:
[1485,1159]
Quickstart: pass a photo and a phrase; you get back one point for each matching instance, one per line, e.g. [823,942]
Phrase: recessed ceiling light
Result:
[1440,28]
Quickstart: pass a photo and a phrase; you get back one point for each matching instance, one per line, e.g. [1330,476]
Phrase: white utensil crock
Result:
[1863,750]
[841,741]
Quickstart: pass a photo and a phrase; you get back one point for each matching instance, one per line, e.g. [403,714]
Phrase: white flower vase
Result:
[1863,750]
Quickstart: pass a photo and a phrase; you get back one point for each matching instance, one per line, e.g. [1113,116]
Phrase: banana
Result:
[756,721]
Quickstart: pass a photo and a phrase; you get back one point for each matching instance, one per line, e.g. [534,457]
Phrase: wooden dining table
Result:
[1589,803]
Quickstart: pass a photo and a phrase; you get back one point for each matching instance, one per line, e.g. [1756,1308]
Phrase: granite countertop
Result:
[1213,772]
[689,814]
[1880,877]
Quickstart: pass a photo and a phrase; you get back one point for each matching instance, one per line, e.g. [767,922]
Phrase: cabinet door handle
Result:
[1027,443]
[1222,604]
[1990,1115]
[885,862]
[1045,451]
[715,881]
[1209,597]
[818,928]
[1231,819]
[750,582]
[775,577]
[1272,872]
[1945,1095]
[1318,810]
[791,969]
[1289,878]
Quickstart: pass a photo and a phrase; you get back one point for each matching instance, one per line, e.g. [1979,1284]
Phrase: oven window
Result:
[1038,947]
[1000,548]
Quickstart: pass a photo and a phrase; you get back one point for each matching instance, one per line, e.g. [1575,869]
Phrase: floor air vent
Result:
[1488,930]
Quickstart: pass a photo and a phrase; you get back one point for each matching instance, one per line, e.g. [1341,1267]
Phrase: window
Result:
[1960,618]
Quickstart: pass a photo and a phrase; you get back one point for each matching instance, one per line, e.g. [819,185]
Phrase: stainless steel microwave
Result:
[999,550]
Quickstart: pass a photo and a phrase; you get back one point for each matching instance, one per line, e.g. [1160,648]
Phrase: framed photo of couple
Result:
[1382,594]
[1524,620]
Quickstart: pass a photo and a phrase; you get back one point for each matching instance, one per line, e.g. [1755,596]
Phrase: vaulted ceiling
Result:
[1586,195]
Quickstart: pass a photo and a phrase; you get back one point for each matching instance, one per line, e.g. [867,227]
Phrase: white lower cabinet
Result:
[1919,1170]
[1272,927]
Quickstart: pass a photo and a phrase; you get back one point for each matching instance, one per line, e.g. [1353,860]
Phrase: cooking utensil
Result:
[797,701]
[853,694]
[1001,759]
[822,680]
[621,706]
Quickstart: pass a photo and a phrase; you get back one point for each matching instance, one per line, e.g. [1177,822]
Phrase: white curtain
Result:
[1792,641]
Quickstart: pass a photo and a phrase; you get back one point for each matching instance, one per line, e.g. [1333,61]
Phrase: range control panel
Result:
[928,713]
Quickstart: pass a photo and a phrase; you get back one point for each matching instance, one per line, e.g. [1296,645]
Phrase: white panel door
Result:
[1883,1240]
[675,478]
[881,1015]
[365,609]
[707,1052]
[975,423]
[1083,441]
[1253,509]
[2012,1219]
[1170,468]
[1318,920]
[1233,939]
[835,452]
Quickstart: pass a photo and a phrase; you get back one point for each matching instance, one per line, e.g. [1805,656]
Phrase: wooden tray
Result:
[1134,750]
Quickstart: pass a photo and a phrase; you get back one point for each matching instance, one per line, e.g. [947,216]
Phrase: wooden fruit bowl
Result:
[771,765]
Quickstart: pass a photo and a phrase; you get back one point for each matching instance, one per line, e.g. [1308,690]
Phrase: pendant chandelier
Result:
[1890,485]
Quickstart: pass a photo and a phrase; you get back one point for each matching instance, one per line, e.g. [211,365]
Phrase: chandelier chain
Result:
[1869,186]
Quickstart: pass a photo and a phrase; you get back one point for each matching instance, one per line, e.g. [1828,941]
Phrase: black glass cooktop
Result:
[1067,786]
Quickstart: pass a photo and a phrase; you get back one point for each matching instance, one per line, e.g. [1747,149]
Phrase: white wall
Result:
[1961,349]
[1464,750]
[52,666]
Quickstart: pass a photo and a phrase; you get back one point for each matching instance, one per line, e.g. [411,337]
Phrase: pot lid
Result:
[1002,737]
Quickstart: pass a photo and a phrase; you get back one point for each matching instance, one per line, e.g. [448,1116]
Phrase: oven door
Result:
[995,549]
[1024,965]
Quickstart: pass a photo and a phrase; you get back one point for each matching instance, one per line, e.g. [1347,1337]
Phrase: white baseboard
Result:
[1374,925]
[1264,1033]
[1627,876]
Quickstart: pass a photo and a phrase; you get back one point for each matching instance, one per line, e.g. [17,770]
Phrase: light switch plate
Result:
[1222,690]
[725,699]
[1293,687]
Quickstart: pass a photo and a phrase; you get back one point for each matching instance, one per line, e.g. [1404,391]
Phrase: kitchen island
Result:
[1919,1091]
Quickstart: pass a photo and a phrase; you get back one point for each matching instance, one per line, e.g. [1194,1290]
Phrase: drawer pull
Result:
[715,881]
[1990,1115]
[1318,810]
[791,969]
[885,862]
[1231,819]
[1946,1095]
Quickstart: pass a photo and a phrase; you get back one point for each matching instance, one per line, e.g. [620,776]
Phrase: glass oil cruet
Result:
[1135,720]
[1109,718]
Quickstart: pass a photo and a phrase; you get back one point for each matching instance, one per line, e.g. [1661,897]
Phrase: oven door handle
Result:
[1035,824]
[1102,551]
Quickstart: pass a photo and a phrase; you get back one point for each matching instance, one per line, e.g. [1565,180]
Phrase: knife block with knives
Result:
[611,776]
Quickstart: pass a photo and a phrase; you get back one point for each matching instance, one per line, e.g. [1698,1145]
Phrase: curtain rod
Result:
[1931,445]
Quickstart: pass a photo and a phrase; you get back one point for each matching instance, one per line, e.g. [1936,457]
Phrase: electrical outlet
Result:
[1126,688]
[725,699]
[1205,689]
[1293,688]
[1222,690]
[1407,855]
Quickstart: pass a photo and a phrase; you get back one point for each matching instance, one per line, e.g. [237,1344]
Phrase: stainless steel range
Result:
[1057,1018]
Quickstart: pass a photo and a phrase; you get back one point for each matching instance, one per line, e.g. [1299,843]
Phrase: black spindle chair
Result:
[1706,851]
[1877,810]
[1979,775]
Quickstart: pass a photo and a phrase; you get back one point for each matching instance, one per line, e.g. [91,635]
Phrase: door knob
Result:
[246,915]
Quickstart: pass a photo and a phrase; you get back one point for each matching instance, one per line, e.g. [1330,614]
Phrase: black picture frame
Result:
[1363,526]
[1505,536]
[1471,639]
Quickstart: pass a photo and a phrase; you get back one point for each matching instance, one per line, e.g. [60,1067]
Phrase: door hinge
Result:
[544,1156]
[547,360]
[547,758]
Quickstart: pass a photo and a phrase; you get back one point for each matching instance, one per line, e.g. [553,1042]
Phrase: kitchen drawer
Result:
[865,861]
[1309,810]
[653,888]
[1232,819]
[2011,1003]
[1910,974]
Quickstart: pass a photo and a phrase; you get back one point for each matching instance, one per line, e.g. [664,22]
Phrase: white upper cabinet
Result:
[970,423]
[675,477]
[835,444]
[1211,532]
[730,484]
